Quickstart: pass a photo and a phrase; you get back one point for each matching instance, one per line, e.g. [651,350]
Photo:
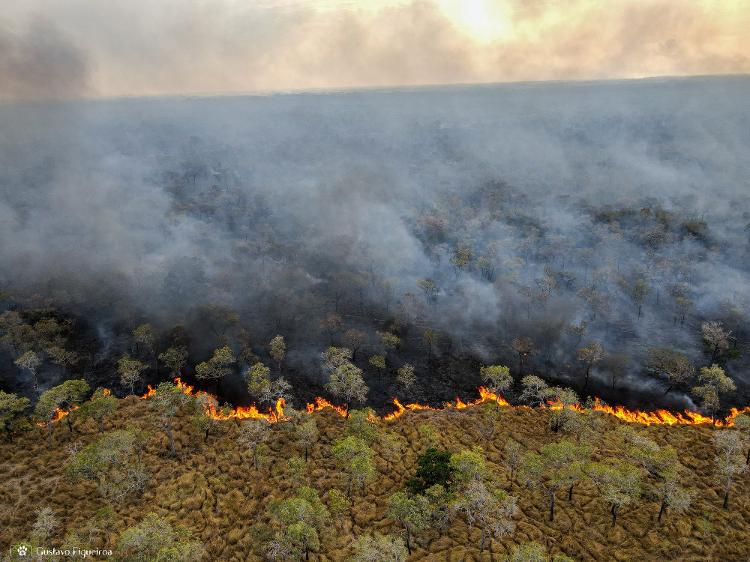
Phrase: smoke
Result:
[288,208]
[39,62]
[176,47]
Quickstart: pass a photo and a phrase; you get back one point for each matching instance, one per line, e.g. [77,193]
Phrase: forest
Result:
[503,322]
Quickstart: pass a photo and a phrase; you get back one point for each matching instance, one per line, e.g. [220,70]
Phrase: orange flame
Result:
[322,403]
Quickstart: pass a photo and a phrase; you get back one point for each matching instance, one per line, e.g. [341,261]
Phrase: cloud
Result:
[189,46]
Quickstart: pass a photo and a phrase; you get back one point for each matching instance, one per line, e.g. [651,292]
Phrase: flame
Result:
[58,415]
[322,403]
[276,414]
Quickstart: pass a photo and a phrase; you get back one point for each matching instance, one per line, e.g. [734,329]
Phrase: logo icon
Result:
[22,550]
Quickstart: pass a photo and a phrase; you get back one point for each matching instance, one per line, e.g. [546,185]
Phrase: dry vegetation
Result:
[210,488]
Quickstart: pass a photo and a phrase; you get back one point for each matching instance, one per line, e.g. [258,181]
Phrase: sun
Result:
[484,20]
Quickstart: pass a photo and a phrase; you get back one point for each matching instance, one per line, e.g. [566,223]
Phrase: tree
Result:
[524,347]
[433,468]
[253,433]
[663,465]
[716,339]
[12,408]
[429,288]
[101,405]
[258,378]
[619,483]
[145,340]
[468,465]
[218,367]
[555,466]
[590,356]
[729,465]
[354,339]
[167,401]
[564,415]
[672,365]
[639,292]
[277,350]
[302,520]
[713,383]
[462,258]
[535,390]
[741,423]
[353,456]
[60,398]
[389,340]
[377,361]
[175,358]
[430,337]
[130,371]
[496,377]
[491,510]
[113,463]
[412,512]
[331,325]
[345,379]
[405,377]
[379,548]
[30,361]
[513,457]
[338,504]
[204,419]
[360,424]
[155,539]
[306,434]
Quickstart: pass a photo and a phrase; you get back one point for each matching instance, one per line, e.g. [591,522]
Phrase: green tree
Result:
[673,366]
[433,467]
[254,433]
[377,361]
[130,371]
[175,358]
[168,401]
[30,361]
[555,466]
[729,462]
[619,483]
[218,367]
[62,397]
[338,504]
[306,434]
[277,350]
[713,383]
[491,510]
[412,512]
[496,377]
[302,520]
[258,378]
[154,539]
[535,390]
[353,456]
[405,377]
[12,408]
[716,338]
[378,548]
[467,465]
[360,424]
[113,463]
[100,406]
[590,356]
[345,379]
[204,419]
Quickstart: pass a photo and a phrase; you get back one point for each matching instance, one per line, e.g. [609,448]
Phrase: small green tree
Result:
[258,378]
[555,466]
[154,539]
[203,419]
[491,510]
[360,424]
[467,465]
[673,366]
[433,468]
[729,465]
[345,379]
[379,548]
[353,456]
[497,378]
[405,377]
[130,371]
[277,350]
[377,361]
[113,463]
[100,406]
[12,408]
[30,361]
[253,433]
[590,356]
[175,358]
[619,483]
[513,457]
[218,367]
[59,398]
[412,512]
[168,401]
[338,504]
[306,434]
[713,383]
[535,390]
[301,521]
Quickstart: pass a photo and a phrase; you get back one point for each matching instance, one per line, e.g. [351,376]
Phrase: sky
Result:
[95,48]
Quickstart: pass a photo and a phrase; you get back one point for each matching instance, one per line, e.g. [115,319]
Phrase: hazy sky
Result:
[63,48]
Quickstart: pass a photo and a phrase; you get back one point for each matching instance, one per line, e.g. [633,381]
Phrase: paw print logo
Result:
[22,550]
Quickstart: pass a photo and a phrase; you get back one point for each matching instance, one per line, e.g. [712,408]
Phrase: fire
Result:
[322,403]
[276,413]
[58,415]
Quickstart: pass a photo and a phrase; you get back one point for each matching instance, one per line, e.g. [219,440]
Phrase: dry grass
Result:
[217,494]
